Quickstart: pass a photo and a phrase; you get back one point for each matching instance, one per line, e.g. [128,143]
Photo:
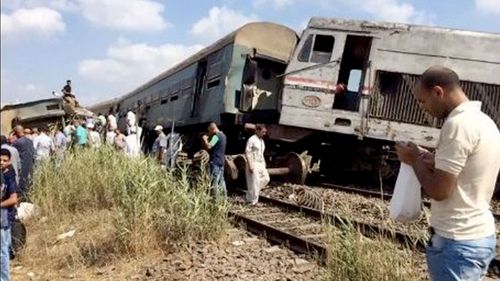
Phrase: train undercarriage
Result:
[299,156]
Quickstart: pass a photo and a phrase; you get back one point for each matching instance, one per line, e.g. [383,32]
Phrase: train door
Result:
[261,84]
[201,74]
[352,73]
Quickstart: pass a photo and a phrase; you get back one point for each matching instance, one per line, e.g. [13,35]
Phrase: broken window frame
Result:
[309,43]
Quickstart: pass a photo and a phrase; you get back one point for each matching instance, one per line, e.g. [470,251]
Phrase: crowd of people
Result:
[26,148]
[459,176]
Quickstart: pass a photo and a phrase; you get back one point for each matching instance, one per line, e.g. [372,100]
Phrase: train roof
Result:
[369,26]
[30,103]
[103,106]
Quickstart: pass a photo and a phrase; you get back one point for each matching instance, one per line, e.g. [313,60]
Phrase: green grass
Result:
[124,207]
[351,256]
[148,206]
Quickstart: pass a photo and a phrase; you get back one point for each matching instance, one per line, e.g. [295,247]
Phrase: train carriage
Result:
[230,82]
[209,83]
[261,72]
[44,112]
[353,130]
[380,64]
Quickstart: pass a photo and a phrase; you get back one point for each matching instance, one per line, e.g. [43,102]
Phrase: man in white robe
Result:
[133,148]
[256,173]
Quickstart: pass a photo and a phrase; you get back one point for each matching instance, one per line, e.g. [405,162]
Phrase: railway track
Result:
[281,226]
[300,228]
[375,194]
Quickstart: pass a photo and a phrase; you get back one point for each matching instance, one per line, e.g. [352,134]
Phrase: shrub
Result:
[351,256]
[148,205]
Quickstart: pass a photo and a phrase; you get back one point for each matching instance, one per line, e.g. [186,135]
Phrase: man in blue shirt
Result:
[27,154]
[215,143]
[81,134]
[7,210]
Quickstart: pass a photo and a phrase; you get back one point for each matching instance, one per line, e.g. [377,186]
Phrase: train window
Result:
[354,80]
[306,50]
[323,47]
[174,98]
[213,83]
[53,107]
[186,93]
[164,101]
[214,70]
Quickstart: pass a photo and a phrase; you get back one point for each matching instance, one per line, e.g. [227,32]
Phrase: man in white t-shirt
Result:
[460,178]
[110,130]
[44,145]
[94,137]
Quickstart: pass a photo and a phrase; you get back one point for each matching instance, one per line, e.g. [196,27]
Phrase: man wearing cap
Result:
[160,144]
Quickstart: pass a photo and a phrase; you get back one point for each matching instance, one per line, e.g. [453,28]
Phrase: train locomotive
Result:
[334,98]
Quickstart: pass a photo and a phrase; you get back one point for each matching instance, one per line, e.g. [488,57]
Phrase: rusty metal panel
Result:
[489,95]
[393,99]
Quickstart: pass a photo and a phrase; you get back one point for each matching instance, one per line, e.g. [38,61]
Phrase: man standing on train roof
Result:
[256,173]
[66,90]
[68,95]
[215,143]
[460,178]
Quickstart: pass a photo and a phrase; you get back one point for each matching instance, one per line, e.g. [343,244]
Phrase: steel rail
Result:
[375,194]
[303,246]
[275,235]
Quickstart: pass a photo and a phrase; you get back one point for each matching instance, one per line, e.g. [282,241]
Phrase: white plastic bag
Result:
[406,201]
[26,211]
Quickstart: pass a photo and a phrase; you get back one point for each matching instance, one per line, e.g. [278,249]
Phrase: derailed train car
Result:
[44,112]
[380,64]
[32,114]
[260,73]
[229,82]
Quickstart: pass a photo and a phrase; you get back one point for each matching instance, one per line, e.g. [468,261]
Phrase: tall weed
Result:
[351,256]
[149,206]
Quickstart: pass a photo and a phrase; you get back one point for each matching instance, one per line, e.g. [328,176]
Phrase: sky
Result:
[110,47]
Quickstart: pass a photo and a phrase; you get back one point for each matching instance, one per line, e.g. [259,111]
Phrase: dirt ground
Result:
[238,256]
